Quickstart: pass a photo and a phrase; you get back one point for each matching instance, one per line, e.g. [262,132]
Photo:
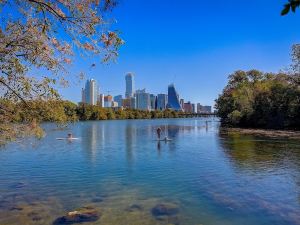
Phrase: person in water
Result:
[70,135]
[158,131]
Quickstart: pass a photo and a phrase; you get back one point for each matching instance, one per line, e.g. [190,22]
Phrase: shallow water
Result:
[120,169]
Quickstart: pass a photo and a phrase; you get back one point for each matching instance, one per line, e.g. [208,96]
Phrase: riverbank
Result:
[288,134]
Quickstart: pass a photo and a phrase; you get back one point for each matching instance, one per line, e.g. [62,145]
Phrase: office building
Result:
[108,101]
[118,99]
[101,100]
[188,108]
[203,109]
[182,103]
[133,102]
[142,100]
[173,99]
[153,101]
[193,108]
[90,92]
[162,101]
[129,79]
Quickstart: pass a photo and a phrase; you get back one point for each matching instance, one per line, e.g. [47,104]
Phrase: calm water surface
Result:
[211,178]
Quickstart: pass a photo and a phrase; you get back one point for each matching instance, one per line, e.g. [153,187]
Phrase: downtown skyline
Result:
[191,47]
[139,98]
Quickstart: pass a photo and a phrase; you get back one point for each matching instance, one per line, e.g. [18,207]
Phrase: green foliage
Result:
[261,100]
[292,5]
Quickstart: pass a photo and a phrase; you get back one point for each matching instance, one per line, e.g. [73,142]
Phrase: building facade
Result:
[90,92]
[142,100]
[129,79]
[188,107]
[153,102]
[203,109]
[101,100]
[162,100]
[108,101]
[173,99]
[118,99]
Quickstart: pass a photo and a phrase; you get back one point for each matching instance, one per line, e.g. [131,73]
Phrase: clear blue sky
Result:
[195,44]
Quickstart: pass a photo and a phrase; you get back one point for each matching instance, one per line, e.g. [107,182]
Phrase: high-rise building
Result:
[182,103]
[118,99]
[203,109]
[199,107]
[101,100]
[142,100]
[188,107]
[129,79]
[193,108]
[108,101]
[90,92]
[133,102]
[161,101]
[173,99]
[153,101]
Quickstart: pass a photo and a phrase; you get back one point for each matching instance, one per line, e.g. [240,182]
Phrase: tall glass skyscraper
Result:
[129,78]
[162,101]
[90,92]
[173,99]
[142,100]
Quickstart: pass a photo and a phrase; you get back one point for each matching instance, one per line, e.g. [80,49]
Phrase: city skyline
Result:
[139,98]
[196,51]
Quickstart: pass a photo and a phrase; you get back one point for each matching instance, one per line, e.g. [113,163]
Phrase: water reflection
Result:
[270,168]
[130,141]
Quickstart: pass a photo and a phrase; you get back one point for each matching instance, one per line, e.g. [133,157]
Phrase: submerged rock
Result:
[164,210]
[134,207]
[18,208]
[86,214]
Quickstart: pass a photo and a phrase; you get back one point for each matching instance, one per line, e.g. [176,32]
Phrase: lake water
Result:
[119,169]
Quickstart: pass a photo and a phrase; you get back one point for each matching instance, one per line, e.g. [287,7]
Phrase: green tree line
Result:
[260,100]
[66,111]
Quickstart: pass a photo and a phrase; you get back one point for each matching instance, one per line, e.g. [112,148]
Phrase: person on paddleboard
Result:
[158,131]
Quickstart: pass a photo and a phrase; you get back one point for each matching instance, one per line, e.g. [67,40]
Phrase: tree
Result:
[291,5]
[45,36]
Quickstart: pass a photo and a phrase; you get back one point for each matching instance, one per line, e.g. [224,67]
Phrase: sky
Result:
[194,44]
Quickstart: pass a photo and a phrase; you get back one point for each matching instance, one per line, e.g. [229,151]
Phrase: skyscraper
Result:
[188,107]
[173,99]
[118,99]
[90,92]
[153,101]
[142,100]
[129,78]
[162,101]
[108,101]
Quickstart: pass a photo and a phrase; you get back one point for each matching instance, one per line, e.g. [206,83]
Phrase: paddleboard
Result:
[67,138]
[164,139]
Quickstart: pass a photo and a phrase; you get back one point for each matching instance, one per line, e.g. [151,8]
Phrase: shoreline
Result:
[288,134]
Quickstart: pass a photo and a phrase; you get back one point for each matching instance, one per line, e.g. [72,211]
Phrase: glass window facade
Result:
[173,99]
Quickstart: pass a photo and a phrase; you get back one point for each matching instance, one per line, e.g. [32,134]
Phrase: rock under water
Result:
[86,214]
[164,210]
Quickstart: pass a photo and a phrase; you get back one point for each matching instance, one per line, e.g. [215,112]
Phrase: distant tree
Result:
[40,38]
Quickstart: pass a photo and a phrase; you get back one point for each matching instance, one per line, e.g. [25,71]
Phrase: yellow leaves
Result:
[88,46]
[80,7]
[68,61]
[55,42]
